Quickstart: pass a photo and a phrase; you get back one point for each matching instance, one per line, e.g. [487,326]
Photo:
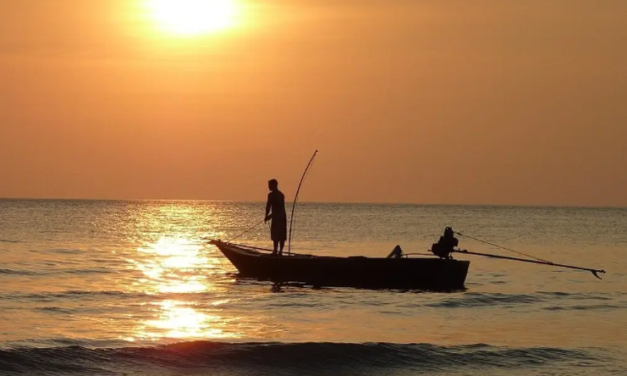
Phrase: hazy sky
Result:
[487,101]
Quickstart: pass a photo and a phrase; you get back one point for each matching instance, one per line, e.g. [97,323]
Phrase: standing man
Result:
[278,229]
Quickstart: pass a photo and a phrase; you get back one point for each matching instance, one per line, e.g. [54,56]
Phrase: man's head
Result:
[273,185]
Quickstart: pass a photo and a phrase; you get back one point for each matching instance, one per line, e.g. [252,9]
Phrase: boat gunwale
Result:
[252,251]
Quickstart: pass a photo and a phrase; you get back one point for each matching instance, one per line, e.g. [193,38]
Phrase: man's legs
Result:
[276,246]
[282,243]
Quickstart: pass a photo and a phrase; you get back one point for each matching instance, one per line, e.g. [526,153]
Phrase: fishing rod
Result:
[246,231]
[302,179]
[593,271]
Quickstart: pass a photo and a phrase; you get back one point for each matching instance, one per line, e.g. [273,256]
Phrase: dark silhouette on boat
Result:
[397,271]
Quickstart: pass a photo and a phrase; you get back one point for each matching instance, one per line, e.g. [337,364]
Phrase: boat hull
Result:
[360,272]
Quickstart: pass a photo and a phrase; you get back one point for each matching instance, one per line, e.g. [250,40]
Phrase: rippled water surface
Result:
[132,287]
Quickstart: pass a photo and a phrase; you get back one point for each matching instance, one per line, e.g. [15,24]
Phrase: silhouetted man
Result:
[275,210]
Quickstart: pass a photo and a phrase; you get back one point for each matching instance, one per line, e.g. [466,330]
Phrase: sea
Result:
[135,288]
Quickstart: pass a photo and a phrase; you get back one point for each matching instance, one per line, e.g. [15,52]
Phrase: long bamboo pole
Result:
[289,241]
[593,271]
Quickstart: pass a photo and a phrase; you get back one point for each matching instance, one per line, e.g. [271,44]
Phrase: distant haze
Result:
[469,102]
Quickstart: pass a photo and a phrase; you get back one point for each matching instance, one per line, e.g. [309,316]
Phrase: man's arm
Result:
[268,206]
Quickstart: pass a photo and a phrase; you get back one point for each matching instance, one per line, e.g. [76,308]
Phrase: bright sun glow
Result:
[193,17]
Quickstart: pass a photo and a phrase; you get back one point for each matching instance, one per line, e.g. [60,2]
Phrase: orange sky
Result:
[482,102]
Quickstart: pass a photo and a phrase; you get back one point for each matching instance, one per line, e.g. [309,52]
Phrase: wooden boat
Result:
[394,272]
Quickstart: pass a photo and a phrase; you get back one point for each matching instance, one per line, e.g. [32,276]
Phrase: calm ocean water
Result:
[133,288]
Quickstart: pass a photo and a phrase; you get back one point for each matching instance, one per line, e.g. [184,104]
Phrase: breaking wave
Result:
[219,358]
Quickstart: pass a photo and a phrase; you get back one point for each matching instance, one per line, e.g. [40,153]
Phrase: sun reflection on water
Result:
[176,265]
[182,320]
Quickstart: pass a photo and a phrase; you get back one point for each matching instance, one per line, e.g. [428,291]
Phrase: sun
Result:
[193,17]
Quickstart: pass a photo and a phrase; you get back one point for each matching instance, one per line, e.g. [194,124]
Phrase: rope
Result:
[252,247]
[501,247]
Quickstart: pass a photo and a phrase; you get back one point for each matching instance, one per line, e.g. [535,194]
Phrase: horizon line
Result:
[569,206]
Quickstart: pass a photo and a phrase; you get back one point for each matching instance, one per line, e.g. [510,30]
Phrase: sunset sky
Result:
[469,102]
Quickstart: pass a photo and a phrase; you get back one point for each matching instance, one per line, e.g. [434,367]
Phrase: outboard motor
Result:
[446,245]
